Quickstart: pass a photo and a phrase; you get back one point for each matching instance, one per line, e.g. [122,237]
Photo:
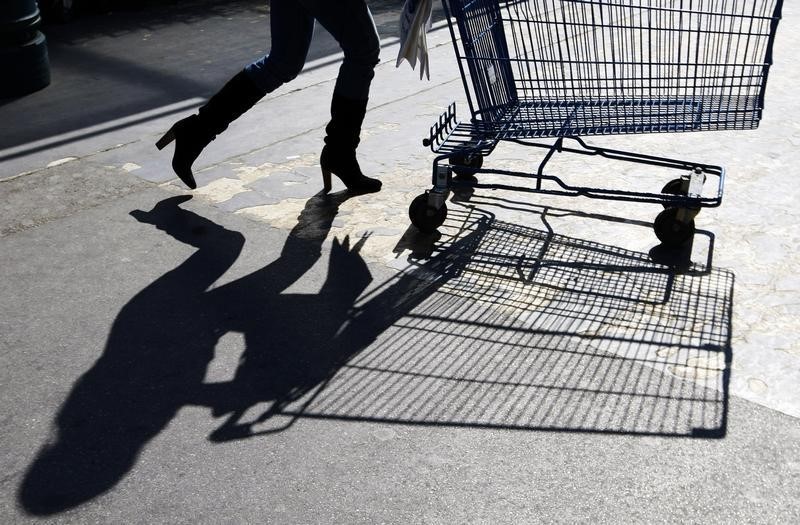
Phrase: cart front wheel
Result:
[465,166]
[425,217]
[670,230]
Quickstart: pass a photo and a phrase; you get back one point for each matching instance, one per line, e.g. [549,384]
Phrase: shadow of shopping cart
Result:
[514,327]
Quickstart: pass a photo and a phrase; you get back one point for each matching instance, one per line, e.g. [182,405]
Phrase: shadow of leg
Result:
[157,351]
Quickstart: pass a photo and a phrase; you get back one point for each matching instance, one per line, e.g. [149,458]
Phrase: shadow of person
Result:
[325,332]
[163,339]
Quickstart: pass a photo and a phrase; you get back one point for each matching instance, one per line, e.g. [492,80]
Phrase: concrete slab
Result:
[753,232]
[261,353]
[198,366]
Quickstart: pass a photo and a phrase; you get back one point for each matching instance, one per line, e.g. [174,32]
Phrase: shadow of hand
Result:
[182,225]
[347,269]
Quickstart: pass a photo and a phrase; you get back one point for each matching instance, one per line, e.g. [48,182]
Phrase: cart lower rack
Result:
[566,69]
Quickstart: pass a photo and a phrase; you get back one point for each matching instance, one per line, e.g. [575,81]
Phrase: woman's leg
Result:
[292,28]
[350,22]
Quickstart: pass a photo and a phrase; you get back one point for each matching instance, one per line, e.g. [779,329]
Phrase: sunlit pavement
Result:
[273,355]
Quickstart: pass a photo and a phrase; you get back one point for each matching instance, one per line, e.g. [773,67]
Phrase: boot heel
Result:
[168,137]
[326,180]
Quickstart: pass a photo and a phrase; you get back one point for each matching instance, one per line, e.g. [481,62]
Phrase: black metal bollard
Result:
[24,65]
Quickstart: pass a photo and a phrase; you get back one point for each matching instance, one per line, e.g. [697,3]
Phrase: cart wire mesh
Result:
[550,68]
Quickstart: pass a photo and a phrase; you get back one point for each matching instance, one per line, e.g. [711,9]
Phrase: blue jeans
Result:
[292,26]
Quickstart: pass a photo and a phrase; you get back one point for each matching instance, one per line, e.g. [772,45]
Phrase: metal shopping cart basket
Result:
[565,69]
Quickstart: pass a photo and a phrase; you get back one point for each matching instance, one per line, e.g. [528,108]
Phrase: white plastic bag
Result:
[415,21]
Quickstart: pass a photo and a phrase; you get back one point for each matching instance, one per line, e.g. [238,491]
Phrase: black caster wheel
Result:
[463,167]
[671,231]
[673,187]
[426,218]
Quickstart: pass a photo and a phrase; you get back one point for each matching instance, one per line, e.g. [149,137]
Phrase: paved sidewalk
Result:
[262,353]
[266,167]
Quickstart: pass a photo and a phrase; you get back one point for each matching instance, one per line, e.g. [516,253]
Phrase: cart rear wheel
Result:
[425,217]
[673,187]
[670,230]
[464,166]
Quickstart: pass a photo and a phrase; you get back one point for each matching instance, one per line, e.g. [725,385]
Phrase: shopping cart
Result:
[565,69]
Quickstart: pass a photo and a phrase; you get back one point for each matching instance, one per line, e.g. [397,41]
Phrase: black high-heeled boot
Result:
[194,133]
[339,153]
